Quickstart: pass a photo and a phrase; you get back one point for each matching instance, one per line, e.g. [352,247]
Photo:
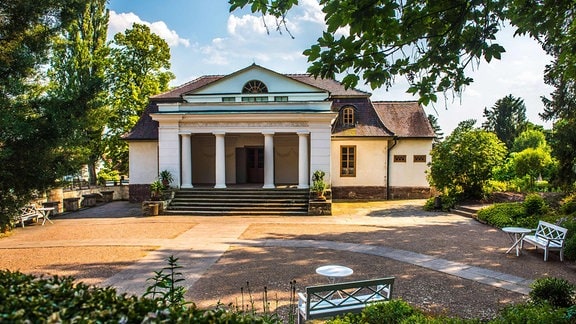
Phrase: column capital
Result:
[303,133]
[219,133]
[267,132]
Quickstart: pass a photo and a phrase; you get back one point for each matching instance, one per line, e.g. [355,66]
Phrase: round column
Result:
[220,160]
[303,167]
[268,160]
[186,161]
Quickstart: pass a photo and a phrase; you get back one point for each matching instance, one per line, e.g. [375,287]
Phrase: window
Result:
[419,158]
[347,161]
[228,99]
[348,116]
[254,86]
[254,99]
[400,158]
[281,98]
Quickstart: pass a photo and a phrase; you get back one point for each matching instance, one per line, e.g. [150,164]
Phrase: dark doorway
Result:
[255,164]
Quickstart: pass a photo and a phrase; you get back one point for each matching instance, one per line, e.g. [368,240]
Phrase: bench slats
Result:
[549,237]
[321,301]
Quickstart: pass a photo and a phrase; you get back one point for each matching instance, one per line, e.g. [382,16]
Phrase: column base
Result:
[305,186]
[220,186]
[187,186]
[268,186]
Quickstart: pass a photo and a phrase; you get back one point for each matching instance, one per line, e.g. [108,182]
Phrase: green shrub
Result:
[447,203]
[393,311]
[568,205]
[530,314]
[557,292]
[502,215]
[570,244]
[535,205]
[28,299]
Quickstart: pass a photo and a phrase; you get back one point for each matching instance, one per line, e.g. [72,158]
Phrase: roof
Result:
[145,129]
[404,118]
[367,122]
[335,88]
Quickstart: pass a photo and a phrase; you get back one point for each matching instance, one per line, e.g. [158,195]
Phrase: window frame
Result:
[345,161]
[399,158]
[420,158]
[348,116]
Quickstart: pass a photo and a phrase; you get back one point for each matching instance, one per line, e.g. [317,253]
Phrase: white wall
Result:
[370,162]
[320,159]
[410,174]
[143,162]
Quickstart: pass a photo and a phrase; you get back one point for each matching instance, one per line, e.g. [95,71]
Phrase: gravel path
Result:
[112,245]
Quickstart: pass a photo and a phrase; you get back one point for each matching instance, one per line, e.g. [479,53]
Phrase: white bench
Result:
[549,237]
[27,213]
[341,298]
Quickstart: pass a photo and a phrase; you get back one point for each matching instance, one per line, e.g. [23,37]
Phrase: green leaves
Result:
[463,162]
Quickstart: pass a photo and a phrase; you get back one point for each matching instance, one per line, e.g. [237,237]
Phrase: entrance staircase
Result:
[239,201]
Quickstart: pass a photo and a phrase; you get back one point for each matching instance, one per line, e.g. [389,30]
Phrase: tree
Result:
[430,43]
[78,71]
[532,162]
[507,119]
[32,125]
[439,135]
[140,61]
[563,144]
[463,163]
[530,139]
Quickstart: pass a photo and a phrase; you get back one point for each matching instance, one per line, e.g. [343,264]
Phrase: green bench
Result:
[341,298]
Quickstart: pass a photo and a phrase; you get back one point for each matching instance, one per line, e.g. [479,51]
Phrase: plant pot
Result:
[154,209]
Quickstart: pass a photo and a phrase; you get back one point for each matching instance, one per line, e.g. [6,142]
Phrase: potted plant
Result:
[166,178]
[156,188]
[318,184]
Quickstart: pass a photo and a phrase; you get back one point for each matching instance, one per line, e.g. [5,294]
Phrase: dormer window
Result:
[348,116]
[254,86]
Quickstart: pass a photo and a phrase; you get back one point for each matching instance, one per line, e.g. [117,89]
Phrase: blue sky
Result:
[205,38]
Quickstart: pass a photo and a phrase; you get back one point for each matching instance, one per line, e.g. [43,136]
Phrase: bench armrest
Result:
[301,298]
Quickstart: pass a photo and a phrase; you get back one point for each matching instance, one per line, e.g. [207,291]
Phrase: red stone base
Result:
[379,193]
[139,192]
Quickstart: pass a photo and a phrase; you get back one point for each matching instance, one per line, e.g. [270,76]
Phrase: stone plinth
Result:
[71,204]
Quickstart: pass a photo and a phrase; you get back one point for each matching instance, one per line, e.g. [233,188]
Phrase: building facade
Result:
[256,127]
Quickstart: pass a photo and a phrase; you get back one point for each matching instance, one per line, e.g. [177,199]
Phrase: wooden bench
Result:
[341,298]
[549,237]
[27,213]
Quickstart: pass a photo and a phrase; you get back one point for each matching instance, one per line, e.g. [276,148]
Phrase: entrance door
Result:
[255,164]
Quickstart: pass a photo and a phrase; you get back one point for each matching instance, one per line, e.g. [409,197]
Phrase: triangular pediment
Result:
[275,83]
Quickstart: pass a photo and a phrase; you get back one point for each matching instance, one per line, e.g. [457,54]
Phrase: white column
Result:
[220,160]
[186,161]
[268,160]
[303,167]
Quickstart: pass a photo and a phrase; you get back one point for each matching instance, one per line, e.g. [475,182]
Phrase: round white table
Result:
[516,235]
[334,271]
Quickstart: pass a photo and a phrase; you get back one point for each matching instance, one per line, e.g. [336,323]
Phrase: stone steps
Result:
[239,201]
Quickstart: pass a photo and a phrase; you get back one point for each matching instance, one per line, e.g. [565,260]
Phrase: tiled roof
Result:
[177,92]
[335,88]
[404,118]
[145,128]
[367,122]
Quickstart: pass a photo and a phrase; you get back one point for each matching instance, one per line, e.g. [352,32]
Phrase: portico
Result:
[245,158]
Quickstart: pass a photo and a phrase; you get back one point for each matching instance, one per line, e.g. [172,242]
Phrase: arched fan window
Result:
[254,86]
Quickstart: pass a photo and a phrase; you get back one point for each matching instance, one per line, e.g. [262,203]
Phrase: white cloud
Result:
[312,11]
[119,22]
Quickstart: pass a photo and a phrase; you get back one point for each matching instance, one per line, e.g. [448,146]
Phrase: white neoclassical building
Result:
[256,127]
